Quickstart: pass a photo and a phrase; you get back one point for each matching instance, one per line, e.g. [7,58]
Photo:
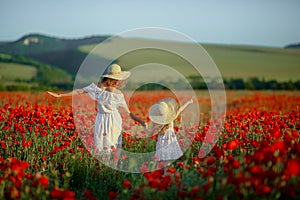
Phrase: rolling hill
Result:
[281,64]
[37,59]
[58,52]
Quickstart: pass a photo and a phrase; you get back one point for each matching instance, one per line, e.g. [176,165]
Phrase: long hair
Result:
[158,128]
[163,129]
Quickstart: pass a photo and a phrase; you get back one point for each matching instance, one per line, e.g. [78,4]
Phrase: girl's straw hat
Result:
[114,71]
[164,111]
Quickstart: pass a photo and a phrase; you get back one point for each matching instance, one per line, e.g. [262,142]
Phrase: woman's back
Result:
[108,99]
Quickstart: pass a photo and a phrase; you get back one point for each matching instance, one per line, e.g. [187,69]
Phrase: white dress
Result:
[167,146]
[108,122]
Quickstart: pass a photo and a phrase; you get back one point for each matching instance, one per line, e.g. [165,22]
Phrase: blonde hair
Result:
[159,128]
[163,129]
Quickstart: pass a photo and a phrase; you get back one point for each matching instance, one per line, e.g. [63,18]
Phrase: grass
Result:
[246,62]
[233,61]
[14,71]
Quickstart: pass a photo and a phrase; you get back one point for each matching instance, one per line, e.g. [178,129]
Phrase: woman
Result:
[108,123]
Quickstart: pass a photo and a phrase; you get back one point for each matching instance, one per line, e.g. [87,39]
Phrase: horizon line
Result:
[112,35]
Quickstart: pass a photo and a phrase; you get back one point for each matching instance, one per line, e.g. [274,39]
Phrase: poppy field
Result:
[257,156]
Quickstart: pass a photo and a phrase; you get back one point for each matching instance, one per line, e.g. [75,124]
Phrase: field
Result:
[233,61]
[256,157]
[13,71]
[262,62]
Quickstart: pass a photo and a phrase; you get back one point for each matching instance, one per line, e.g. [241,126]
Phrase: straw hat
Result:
[164,111]
[114,71]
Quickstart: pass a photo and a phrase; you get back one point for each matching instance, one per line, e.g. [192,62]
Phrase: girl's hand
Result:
[146,125]
[194,98]
[54,94]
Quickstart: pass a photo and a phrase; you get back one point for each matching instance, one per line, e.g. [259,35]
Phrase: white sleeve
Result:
[91,90]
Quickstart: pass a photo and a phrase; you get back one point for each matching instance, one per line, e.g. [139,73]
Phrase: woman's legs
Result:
[117,152]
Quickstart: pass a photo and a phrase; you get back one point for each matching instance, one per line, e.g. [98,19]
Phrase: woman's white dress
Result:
[108,122]
[167,146]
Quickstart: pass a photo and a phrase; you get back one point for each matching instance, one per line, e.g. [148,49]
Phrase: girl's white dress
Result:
[167,146]
[108,122]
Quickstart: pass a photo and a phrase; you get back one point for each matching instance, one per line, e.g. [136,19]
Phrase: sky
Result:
[273,23]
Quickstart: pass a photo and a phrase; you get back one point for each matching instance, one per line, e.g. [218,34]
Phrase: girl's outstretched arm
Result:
[185,105]
[74,92]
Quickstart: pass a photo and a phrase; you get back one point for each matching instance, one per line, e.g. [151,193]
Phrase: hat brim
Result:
[166,118]
[120,76]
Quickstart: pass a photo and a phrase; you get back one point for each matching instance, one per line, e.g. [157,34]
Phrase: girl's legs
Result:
[167,164]
[104,157]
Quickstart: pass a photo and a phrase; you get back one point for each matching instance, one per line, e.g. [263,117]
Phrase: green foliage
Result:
[21,73]
[151,86]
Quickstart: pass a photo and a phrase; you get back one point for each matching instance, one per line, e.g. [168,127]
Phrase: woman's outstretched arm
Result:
[74,92]
[136,118]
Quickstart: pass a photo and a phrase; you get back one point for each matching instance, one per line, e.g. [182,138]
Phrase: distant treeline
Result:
[231,84]
[250,84]
[257,84]
[197,84]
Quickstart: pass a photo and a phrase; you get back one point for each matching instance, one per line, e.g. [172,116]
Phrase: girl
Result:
[162,114]
[108,123]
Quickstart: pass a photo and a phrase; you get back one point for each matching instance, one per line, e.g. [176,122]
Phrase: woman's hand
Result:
[54,94]
[144,124]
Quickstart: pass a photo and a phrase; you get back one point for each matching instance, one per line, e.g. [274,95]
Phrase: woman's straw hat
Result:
[164,111]
[114,71]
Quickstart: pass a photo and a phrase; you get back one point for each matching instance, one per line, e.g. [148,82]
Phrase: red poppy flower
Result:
[126,184]
[57,193]
[256,170]
[144,169]
[88,195]
[201,153]
[171,170]
[236,164]
[112,195]
[232,144]
[210,160]
[293,167]
[43,181]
